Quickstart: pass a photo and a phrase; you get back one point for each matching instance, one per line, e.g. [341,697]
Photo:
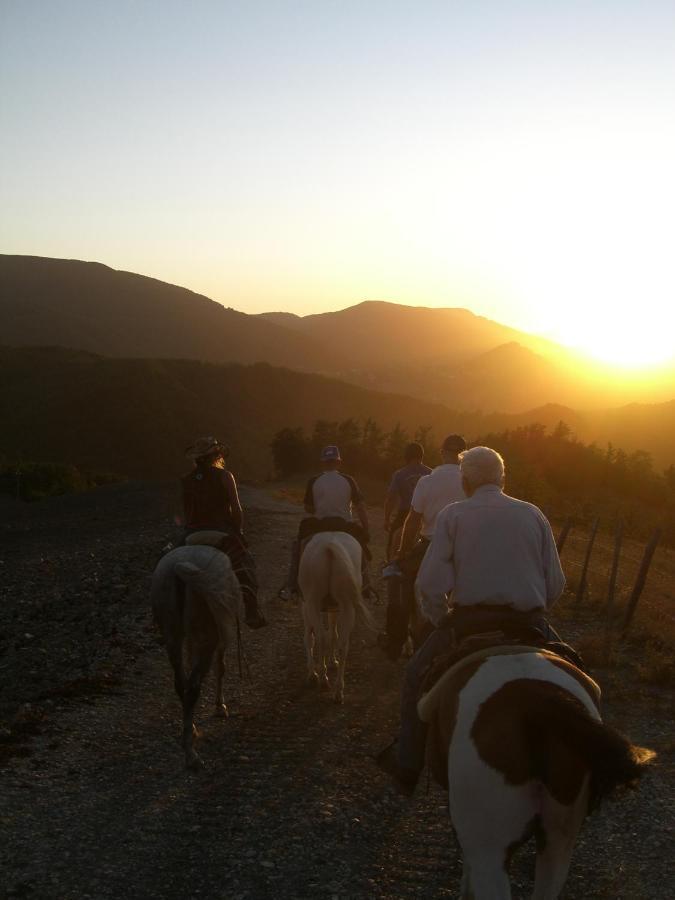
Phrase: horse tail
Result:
[613,761]
[338,553]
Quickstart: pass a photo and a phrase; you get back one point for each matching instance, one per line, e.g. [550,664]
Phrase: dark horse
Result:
[196,601]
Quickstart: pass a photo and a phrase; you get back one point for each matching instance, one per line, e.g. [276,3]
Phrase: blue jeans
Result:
[413,735]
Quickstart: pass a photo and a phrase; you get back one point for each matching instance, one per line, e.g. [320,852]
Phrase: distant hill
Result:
[445,356]
[88,306]
[136,417]
[465,361]
[377,333]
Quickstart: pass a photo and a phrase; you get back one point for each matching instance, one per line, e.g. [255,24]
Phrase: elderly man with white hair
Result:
[492,564]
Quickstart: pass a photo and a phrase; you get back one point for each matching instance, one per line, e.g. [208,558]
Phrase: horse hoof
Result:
[193,762]
[312,680]
[221,711]
[324,685]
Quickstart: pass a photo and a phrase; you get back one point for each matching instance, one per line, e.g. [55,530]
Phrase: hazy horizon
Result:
[513,159]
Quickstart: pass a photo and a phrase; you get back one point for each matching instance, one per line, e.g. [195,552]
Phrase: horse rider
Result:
[211,503]
[431,494]
[400,492]
[495,557]
[330,499]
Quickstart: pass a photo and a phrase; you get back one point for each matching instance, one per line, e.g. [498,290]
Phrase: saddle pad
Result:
[205,538]
[428,703]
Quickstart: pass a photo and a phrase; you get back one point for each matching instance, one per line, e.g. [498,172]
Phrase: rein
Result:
[241,655]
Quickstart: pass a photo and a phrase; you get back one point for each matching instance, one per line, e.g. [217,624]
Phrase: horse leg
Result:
[320,647]
[200,665]
[333,660]
[552,866]
[175,652]
[346,620]
[312,676]
[560,827]
[221,708]
[465,892]
[486,878]
[489,818]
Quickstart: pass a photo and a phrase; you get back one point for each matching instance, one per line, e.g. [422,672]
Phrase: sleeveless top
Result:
[205,500]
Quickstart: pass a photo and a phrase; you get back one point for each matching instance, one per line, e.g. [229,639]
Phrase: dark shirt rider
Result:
[211,504]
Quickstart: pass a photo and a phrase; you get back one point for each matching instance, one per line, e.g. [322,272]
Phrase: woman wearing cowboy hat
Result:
[213,515]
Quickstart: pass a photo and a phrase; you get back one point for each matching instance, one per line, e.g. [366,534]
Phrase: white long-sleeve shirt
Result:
[490,549]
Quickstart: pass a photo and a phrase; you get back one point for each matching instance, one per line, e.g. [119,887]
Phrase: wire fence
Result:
[626,579]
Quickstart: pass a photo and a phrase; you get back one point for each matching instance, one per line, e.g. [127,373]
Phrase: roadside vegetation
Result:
[35,481]
[562,475]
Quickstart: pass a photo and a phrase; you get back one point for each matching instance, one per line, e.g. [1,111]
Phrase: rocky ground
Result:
[94,800]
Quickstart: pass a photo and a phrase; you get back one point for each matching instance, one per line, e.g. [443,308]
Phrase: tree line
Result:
[555,470]
[34,481]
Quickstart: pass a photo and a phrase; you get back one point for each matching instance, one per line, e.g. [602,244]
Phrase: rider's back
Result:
[332,494]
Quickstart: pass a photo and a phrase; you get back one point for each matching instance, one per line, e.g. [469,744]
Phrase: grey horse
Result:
[196,601]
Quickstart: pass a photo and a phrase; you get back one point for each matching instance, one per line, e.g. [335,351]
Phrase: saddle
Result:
[311,526]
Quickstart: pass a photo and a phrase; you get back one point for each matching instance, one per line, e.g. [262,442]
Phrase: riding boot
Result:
[392,640]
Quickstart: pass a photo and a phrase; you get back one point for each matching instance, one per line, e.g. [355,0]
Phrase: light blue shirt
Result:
[490,549]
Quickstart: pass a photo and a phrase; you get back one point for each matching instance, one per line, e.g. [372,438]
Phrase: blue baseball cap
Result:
[331,453]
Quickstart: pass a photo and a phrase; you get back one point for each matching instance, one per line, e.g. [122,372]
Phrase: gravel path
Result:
[95,803]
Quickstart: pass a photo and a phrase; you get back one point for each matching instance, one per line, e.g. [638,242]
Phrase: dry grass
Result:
[656,666]
[654,618]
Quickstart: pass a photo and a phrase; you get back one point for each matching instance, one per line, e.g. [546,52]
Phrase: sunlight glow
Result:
[515,160]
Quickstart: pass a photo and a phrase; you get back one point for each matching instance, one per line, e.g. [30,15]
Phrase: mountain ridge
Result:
[443,355]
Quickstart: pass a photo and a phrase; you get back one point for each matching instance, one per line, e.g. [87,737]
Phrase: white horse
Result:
[330,567]
[196,600]
[527,756]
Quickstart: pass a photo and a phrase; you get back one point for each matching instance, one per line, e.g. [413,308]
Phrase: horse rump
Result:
[612,760]
[559,741]
[349,587]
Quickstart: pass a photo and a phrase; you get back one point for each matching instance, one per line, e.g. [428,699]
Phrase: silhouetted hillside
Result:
[88,306]
[377,333]
[445,356]
[466,361]
[136,417]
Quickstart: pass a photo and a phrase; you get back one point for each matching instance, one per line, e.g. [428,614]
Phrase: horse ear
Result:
[187,570]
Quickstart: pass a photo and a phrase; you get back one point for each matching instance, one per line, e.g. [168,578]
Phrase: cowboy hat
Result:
[205,447]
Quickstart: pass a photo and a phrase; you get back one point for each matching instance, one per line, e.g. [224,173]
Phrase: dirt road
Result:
[94,800]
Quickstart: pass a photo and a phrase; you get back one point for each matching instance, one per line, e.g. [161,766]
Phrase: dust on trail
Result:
[289,804]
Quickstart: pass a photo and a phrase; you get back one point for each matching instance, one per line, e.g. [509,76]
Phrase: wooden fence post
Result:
[610,590]
[640,580]
[589,550]
[562,537]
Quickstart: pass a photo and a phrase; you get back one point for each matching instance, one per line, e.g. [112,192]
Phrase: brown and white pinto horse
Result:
[527,756]
[330,567]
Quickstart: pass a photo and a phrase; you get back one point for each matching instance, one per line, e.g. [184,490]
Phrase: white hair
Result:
[482,465]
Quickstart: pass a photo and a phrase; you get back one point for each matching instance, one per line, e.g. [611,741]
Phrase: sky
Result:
[513,158]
